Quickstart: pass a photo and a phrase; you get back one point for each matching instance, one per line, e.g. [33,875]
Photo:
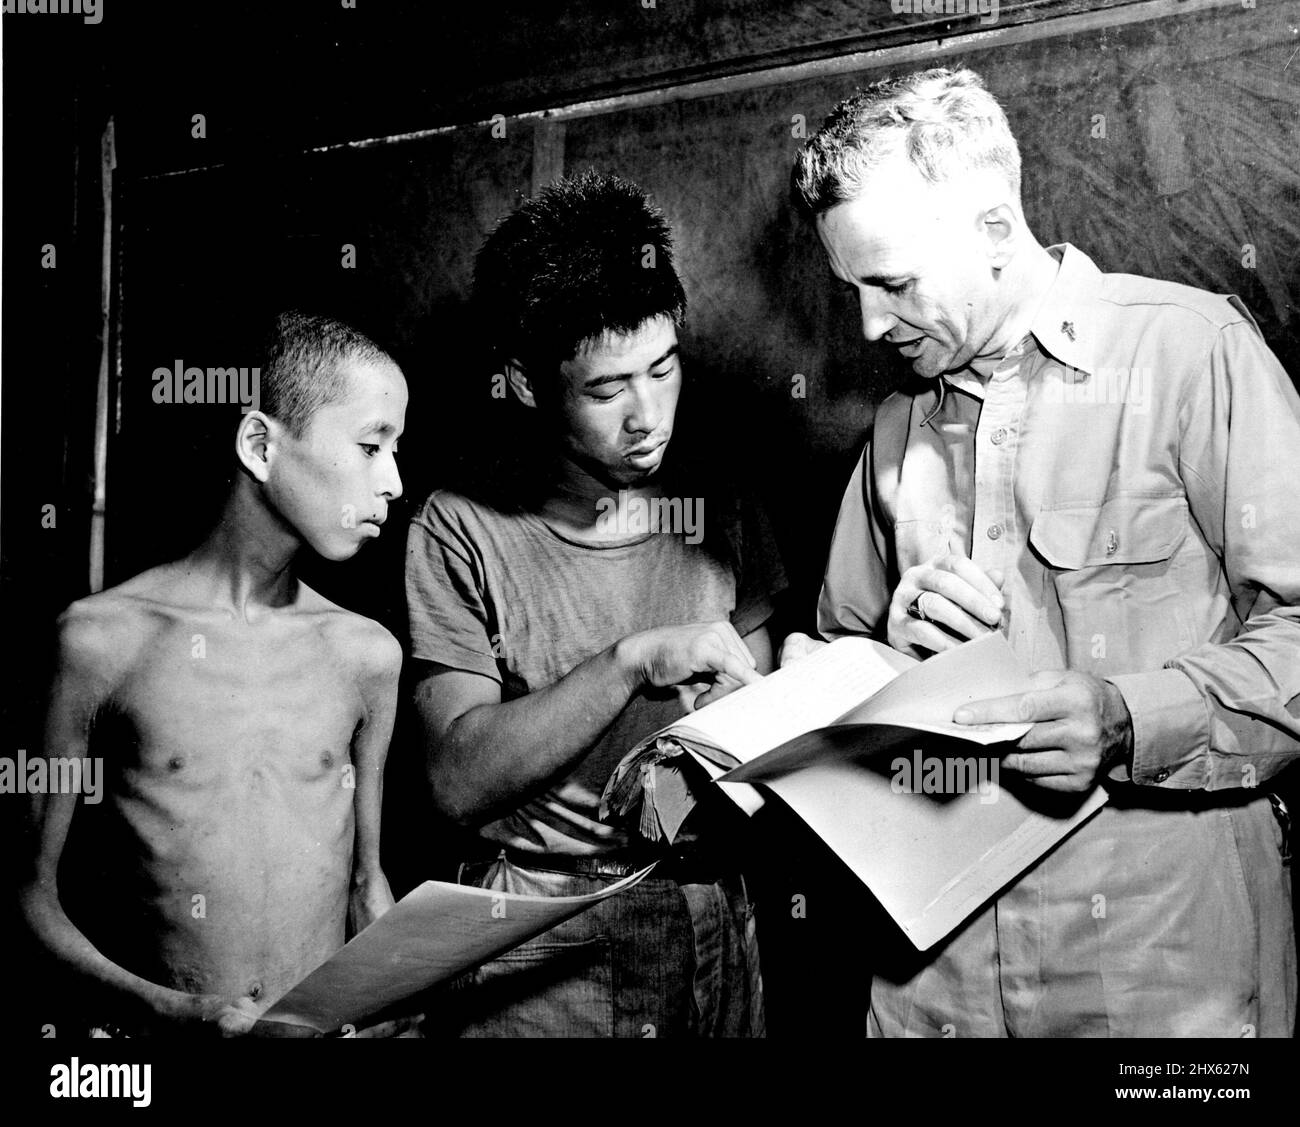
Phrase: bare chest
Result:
[207,702]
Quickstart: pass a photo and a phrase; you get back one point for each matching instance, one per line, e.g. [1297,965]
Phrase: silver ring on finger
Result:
[915,611]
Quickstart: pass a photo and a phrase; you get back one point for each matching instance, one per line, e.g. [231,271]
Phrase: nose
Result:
[645,413]
[876,320]
[390,481]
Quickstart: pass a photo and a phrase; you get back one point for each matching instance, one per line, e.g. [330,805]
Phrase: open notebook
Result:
[858,740]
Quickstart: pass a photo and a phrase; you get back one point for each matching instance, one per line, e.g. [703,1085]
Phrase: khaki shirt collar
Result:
[1067,326]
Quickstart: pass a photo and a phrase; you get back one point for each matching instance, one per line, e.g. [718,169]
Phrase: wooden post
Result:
[108,162]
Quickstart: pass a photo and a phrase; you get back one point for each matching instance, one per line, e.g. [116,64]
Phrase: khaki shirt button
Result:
[1162,774]
[994,531]
[1112,543]
[999,436]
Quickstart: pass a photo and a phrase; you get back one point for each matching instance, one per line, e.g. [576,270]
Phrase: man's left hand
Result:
[1081,726]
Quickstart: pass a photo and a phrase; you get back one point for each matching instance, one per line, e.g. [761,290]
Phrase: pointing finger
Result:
[737,669]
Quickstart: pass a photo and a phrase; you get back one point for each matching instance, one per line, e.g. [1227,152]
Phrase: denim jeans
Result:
[658,960]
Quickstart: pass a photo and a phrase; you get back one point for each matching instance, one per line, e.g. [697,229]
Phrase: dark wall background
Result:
[1200,158]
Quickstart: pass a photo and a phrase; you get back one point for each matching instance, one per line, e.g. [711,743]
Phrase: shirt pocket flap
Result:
[1121,530]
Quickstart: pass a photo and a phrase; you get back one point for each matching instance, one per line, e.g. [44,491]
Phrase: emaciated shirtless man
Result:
[242,719]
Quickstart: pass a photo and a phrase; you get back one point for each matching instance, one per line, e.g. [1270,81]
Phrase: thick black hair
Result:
[588,256]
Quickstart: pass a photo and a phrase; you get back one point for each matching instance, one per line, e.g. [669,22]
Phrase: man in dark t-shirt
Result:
[554,627]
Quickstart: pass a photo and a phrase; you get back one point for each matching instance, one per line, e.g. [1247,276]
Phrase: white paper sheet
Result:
[931,860]
[432,934]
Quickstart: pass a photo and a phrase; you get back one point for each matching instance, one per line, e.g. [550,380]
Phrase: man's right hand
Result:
[958,600]
[677,655]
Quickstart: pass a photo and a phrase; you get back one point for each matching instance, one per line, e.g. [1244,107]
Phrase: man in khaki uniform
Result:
[1101,466]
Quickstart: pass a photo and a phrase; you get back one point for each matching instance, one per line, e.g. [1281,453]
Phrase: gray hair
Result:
[945,121]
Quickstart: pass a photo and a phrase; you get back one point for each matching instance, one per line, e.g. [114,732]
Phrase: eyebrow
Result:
[379,427]
[617,376]
[873,279]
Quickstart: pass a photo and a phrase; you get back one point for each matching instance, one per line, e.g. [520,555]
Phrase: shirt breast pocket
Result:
[1110,566]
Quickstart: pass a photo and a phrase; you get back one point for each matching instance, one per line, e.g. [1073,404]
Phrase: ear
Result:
[520,384]
[1001,227]
[255,444]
